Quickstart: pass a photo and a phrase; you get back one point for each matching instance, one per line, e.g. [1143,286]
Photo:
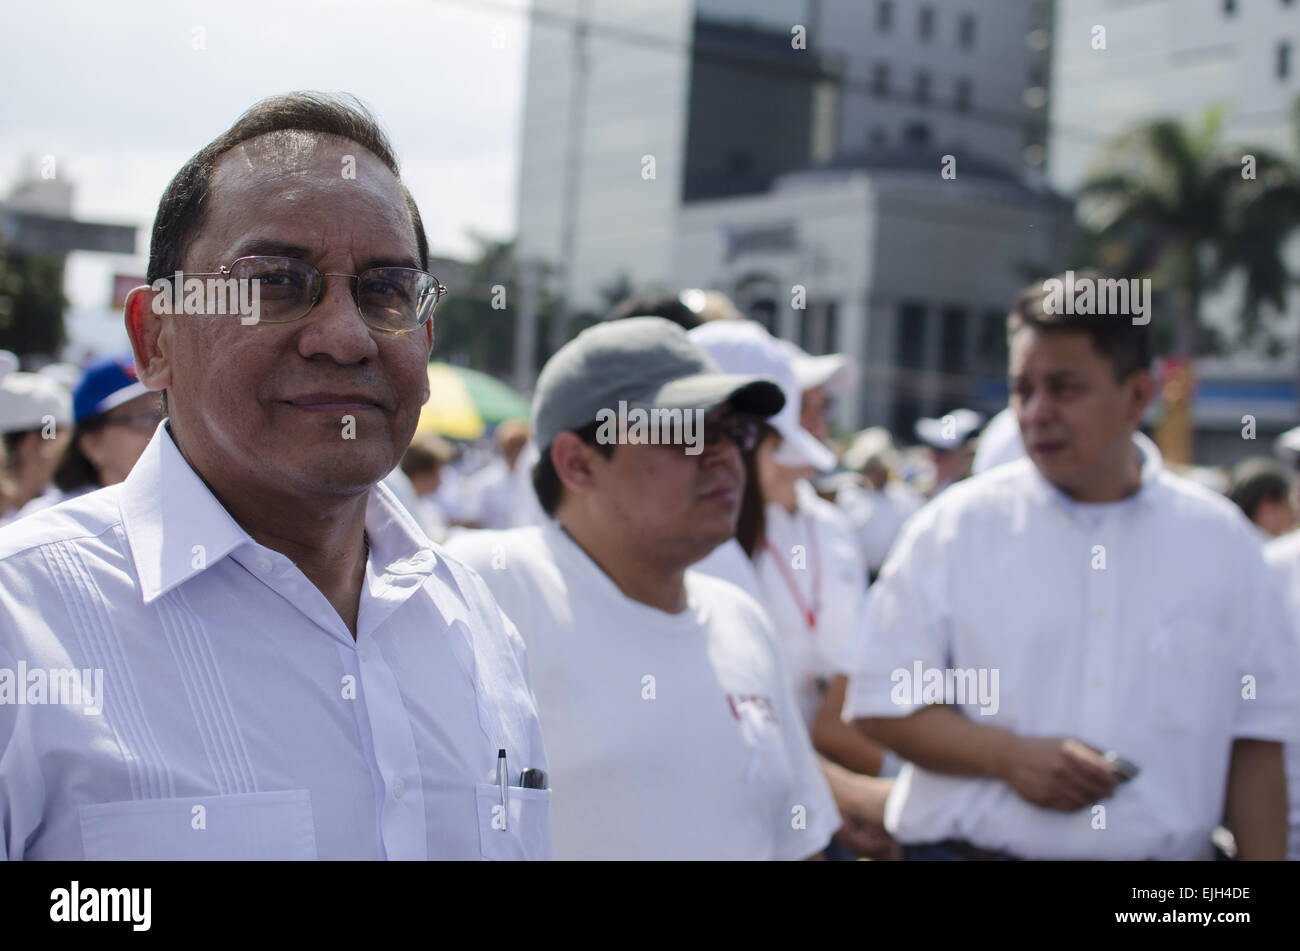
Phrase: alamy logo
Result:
[211,296]
[960,685]
[54,686]
[638,426]
[1103,297]
[103,904]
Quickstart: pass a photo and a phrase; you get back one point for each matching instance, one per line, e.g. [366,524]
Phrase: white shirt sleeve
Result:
[905,623]
[1270,655]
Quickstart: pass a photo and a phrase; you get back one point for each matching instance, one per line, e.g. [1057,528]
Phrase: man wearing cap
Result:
[260,655]
[670,725]
[1081,656]
[879,505]
[35,412]
[950,439]
[115,416]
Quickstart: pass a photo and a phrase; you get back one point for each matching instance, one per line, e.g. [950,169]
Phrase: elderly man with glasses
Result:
[257,652]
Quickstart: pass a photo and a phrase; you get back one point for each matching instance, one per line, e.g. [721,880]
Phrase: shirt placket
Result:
[1101,622]
[402,814]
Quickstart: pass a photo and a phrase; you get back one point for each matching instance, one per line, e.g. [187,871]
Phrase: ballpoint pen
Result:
[502,779]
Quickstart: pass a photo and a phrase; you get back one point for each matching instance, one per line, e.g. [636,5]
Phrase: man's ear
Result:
[147,330]
[572,459]
[1143,391]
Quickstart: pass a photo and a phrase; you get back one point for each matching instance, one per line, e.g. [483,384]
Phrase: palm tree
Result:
[1167,201]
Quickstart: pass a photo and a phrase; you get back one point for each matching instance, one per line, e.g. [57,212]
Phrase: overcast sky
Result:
[119,94]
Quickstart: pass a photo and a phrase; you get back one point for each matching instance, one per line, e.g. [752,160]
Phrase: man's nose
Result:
[1038,409]
[335,327]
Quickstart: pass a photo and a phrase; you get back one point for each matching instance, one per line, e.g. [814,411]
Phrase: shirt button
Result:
[264,565]
[1097,683]
[1099,612]
[399,787]
[361,652]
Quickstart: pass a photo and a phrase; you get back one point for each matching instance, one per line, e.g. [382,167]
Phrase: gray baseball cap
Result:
[648,362]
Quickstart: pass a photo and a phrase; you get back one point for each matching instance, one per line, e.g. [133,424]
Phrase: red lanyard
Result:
[809,611]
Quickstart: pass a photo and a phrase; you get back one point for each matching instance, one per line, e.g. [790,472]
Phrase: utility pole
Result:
[573,173]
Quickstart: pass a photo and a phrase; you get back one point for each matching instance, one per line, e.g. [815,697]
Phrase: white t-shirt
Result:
[670,736]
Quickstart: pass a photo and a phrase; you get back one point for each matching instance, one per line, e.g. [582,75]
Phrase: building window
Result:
[1283,60]
[880,79]
[966,31]
[926,23]
[916,133]
[884,15]
[922,88]
[952,340]
[963,95]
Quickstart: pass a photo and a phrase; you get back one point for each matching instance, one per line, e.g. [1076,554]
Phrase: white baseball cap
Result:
[28,399]
[834,371]
[745,347]
[950,431]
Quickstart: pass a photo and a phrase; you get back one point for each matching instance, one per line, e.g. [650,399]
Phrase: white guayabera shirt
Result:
[1283,556]
[671,736]
[1148,626]
[239,718]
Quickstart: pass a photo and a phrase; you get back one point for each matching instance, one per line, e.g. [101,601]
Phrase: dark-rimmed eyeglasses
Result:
[742,431]
[392,300]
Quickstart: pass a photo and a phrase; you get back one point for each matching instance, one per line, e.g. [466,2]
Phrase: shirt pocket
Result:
[525,833]
[266,825]
[1185,671]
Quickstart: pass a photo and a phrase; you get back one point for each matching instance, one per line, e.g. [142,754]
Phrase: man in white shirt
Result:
[669,722]
[879,505]
[1078,603]
[257,652]
[1283,557]
[489,494]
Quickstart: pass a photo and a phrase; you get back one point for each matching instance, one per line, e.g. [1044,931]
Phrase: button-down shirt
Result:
[1148,626]
[238,717]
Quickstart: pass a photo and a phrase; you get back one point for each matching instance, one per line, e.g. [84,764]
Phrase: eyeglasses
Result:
[392,300]
[739,429]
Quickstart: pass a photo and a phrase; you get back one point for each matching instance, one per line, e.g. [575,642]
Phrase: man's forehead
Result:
[294,152]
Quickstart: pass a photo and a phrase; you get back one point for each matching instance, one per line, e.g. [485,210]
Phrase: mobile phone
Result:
[1127,770]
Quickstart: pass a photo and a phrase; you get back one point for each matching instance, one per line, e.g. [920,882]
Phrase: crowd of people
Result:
[1016,638]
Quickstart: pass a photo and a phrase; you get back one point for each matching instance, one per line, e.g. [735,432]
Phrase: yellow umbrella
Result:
[463,402]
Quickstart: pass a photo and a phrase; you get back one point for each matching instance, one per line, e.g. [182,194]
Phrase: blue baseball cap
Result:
[105,383]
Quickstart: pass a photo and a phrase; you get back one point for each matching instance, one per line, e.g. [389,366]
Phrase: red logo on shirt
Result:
[762,704]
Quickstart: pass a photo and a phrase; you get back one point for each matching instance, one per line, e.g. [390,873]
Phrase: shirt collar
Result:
[176,528]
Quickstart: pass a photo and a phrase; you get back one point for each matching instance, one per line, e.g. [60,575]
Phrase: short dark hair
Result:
[546,481]
[185,201]
[1256,480]
[1125,344]
[656,304]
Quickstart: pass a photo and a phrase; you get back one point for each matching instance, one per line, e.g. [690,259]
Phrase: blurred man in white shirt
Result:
[669,719]
[879,505]
[1123,665]
[260,656]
